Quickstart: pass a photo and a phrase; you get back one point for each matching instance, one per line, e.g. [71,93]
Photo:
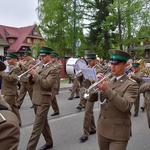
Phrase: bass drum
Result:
[82,63]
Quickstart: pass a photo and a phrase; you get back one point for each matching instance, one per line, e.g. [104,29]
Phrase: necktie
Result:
[115,80]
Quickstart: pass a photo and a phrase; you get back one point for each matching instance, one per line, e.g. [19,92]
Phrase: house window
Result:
[29,40]
[35,33]
[35,41]
[10,41]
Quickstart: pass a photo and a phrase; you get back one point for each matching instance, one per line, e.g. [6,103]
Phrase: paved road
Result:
[67,127]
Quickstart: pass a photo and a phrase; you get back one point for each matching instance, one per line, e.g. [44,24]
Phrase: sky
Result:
[18,13]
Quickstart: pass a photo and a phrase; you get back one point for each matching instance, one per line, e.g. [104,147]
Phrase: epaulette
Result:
[2,119]
[132,79]
[54,65]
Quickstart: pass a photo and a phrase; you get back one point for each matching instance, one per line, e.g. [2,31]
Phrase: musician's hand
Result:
[21,63]
[99,76]
[30,66]
[132,74]
[103,85]
[32,72]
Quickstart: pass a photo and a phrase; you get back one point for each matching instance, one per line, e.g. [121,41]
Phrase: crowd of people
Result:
[117,94]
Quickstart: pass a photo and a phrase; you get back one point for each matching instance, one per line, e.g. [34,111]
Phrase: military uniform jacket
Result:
[24,68]
[138,78]
[114,119]
[59,67]
[9,128]
[145,89]
[43,84]
[10,81]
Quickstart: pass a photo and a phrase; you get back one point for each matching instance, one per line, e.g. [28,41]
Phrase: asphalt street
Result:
[67,127]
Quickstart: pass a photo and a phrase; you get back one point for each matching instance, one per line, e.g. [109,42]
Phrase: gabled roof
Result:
[20,34]
[3,42]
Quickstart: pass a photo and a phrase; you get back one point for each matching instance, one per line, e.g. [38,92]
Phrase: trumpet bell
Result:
[84,93]
[86,96]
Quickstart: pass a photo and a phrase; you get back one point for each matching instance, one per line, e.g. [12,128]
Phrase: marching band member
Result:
[9,125]
[58,64]
[10,81]
[145,89]
[76,83]
[75,89]
[114,122]
[89,126]
[43,81]
[25,86]
[137,76]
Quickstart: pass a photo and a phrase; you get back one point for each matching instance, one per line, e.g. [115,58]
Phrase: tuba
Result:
[144,67]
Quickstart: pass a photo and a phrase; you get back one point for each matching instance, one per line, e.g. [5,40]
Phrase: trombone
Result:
[85,93]
[28,70]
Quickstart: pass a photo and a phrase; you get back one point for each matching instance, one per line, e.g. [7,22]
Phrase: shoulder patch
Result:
[54,65]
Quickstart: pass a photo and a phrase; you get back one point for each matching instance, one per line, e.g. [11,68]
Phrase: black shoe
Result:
[18,107]
[143,109]
[55,113]
[83,138]
[77,97]
[136,114]
[32,106]
[92,132]
[79,107]
[46,146]
[70,98]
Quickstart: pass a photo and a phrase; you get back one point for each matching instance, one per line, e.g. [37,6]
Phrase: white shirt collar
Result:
[117,78]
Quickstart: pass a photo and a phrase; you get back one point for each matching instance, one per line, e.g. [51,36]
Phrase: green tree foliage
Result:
[56,24]
[127,16]
[36,49]
[100,24]
[95,13]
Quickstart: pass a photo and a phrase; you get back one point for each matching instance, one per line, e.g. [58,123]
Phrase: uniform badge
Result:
[2,118]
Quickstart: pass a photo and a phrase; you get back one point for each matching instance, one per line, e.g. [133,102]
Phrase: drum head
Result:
[71,62]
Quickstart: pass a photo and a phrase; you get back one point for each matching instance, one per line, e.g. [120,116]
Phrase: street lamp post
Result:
[74,29]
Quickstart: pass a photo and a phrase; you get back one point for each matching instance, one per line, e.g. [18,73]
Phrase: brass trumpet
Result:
[85,93]
[28,70]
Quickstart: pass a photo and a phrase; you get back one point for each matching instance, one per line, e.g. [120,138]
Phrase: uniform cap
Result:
[54,54]
[45,50]
[91,56]
[77,56]
[86,52]
[27,54]
[135,64]
[11,55]
[117,56]
[148,61]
